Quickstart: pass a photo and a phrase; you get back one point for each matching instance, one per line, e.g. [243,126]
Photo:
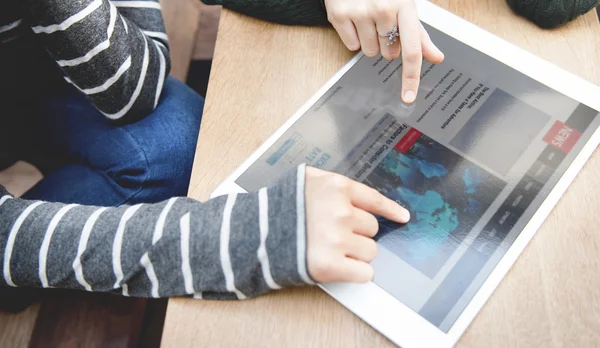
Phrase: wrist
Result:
[287,242]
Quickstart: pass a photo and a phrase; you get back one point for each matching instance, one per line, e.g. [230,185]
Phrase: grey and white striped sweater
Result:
[231,247]
[115,52]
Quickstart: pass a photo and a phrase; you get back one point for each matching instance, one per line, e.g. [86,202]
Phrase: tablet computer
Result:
[493,140]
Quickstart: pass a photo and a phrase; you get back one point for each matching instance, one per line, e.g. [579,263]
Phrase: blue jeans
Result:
[86,159]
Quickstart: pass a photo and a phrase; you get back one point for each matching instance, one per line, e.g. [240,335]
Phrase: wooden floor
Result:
[78,319]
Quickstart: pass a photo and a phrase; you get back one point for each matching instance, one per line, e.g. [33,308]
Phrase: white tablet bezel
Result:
[371,303]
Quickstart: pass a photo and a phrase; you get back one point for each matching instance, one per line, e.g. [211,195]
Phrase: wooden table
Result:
[263,72]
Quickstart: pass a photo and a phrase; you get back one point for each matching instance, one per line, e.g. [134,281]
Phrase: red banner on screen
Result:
[408,140]
[562,137]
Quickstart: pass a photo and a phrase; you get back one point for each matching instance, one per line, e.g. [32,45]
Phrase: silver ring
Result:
[391,35]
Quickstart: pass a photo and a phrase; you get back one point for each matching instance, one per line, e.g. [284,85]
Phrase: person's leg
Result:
[109,165]
[13,131]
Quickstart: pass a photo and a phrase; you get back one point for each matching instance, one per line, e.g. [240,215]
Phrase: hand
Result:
[362,24]
[340,226]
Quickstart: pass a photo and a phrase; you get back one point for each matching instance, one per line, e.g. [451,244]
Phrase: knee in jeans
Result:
[171,148]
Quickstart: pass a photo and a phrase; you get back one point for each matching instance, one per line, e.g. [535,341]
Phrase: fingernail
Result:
[404,215]
[409,97]
[441,54]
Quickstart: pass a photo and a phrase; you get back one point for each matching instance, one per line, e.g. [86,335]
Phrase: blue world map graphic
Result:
[446,195]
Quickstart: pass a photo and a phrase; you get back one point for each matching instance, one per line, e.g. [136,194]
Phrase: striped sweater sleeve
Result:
[231,247]
[115,52]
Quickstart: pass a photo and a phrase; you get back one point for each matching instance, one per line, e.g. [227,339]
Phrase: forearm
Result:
[304,12]
[231,247]
[114,53]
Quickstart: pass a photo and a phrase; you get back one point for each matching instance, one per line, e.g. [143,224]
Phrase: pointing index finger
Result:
[368,199]
[412,54]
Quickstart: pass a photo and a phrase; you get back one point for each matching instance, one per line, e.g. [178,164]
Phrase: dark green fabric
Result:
[304,12]
[545,13]
[552,13]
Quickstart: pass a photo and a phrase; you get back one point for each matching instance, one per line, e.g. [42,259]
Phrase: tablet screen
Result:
[472,160]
